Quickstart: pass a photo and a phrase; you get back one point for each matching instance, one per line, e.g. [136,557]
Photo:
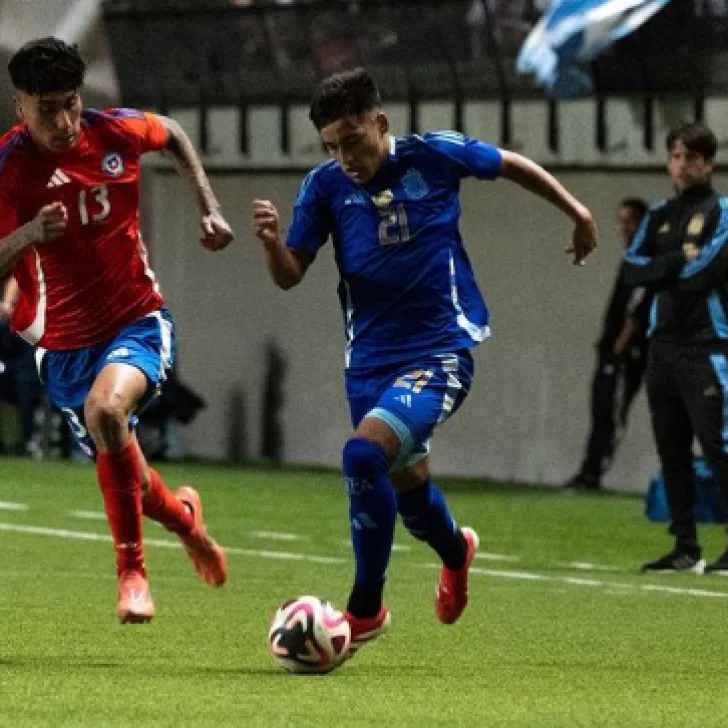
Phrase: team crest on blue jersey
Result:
[113,164]
[414,184]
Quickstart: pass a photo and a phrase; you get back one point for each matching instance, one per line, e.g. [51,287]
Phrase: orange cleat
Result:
[366,630]
[135,602]
[206,555]
[452,589]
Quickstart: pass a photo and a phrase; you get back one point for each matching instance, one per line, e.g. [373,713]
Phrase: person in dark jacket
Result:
[621,361]
[681,253]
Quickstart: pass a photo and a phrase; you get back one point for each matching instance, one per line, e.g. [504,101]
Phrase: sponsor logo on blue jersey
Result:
[358,198]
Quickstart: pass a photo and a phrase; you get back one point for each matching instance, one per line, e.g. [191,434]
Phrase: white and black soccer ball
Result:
[309,636]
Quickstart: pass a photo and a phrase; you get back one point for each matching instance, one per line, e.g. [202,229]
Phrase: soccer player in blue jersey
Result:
[412,310]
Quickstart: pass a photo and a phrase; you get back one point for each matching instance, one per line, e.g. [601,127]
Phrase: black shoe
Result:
[679,559]
[719,566]
[583,481]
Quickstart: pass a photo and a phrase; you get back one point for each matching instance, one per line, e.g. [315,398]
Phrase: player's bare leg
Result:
[114,395]
[181,513]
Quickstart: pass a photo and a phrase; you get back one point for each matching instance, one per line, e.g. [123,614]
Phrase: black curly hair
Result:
[47,65]
[349,93]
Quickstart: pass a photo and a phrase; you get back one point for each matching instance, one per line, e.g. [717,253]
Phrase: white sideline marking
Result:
[87,536]
[10,506]
[88,515]
[586,566]
[523,575]
[527,576]
[496,557]
[583,582]
[676,590]
[610,588]
[276,535]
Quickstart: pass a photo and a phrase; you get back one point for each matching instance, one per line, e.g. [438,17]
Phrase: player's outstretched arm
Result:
[216,233]
[536,179]
[49,224]
[286,267]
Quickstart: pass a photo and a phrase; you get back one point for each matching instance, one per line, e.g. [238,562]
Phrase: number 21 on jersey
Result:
[393,225]
[93,204]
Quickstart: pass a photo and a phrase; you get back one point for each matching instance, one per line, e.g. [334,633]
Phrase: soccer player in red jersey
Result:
[88,301]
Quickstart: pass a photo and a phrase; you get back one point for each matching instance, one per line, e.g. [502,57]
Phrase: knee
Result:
[105,416]
[365,458]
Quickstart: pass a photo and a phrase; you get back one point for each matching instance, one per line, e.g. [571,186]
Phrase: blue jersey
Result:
[407,288]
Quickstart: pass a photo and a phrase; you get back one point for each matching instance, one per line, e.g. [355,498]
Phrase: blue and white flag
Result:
[572,32]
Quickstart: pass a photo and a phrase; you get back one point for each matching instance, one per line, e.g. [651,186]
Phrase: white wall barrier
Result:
[527,416]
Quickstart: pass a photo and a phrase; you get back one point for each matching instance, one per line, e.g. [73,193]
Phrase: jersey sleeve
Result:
[9,216]
[310,227]
[146,130]
[467,157]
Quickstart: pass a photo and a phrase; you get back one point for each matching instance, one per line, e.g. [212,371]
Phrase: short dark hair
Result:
[636,204]
[349,93]
[697,137]
[47,65]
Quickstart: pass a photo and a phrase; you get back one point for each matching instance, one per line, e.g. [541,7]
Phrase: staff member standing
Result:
[621,361]
[681,252]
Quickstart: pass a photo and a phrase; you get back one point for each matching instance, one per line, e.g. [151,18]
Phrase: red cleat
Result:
[367,629]
[452,589]
[135,602]
[207,557]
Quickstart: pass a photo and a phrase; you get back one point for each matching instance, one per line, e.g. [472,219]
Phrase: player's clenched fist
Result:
[216,233]
[583,239]
[265,222]
[50,223]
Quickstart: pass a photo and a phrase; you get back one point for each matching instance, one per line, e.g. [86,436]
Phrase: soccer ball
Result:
[308,636]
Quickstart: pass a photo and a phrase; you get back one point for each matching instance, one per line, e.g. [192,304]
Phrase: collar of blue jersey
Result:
[392,147]
[697,191]
[380,176]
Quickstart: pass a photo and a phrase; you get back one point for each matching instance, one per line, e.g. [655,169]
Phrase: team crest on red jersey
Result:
[113,164]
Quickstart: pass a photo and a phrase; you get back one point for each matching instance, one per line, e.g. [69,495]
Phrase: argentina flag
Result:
[573,32]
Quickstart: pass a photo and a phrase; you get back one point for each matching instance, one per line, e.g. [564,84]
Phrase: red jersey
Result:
[83,288]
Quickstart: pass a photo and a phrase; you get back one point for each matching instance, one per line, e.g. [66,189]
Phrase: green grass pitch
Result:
[560,631]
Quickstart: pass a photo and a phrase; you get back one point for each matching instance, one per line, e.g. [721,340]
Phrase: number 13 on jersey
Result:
[93,204]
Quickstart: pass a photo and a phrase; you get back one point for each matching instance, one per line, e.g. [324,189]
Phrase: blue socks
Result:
[373,513]
[427,517]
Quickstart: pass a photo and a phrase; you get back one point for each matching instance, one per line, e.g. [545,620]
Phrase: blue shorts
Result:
[68,375]
[411,399]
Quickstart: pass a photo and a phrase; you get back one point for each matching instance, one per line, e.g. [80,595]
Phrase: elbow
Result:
[287,282]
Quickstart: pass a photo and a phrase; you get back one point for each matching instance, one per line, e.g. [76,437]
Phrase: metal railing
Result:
[185,52]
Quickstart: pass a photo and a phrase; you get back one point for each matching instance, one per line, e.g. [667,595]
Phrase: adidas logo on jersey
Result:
[405,399]
[58,178]
[121,353]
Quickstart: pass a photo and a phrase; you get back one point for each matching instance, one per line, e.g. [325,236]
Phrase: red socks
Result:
[160,505]
[120,478]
